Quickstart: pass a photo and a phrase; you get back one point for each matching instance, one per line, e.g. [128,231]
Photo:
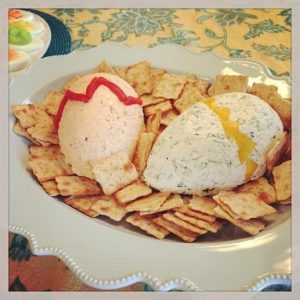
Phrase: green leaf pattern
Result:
[165,27]
[264,26]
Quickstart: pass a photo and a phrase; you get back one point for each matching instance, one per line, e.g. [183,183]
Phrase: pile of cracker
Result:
[118,191]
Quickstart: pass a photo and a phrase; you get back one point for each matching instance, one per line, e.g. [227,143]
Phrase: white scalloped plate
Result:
[106,255]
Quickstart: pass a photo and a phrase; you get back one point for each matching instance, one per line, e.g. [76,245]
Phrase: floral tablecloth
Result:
[263,35]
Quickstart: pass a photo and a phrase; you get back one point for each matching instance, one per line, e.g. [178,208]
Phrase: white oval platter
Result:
[106,255]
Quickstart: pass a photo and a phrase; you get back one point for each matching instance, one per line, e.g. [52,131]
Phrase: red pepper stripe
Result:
[90,90]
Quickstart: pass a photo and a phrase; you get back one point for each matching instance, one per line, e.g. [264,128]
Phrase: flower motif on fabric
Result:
[140,21]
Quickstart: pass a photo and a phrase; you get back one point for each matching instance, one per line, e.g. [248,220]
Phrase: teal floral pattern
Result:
[280,52]
[138,21]
[72,11]
[179,37]
[227,17]
[262,27]
[288,14]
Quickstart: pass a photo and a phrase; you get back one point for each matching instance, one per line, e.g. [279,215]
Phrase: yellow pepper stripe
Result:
[231,128]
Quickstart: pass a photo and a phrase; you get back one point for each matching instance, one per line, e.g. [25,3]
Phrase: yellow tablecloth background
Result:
[263,35]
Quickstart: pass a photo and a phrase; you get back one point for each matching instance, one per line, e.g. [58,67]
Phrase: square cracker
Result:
[184,234]
[261,188]
[76,186]
[183,224]
[282,175]
[160,107]
[143,150]
[43,130]
[121,72]
[148,99]
[153,123]
[47,168]
[169,86]
[213,227]
[147,225]
[230,83]
[50,187]
[41,151]
[174,201]
[253,226]
[108,206]
[195,214]
[18,129]
[132,192]
[283,107]
[148,203]
[191,94]
[203,204]
[83,204]
[114,172]
[245,205]
[140,78]
[105,67]
[262,90]
[168,117]
[275,150]
[27,114]
[67,85]
[51,102]
[156,75]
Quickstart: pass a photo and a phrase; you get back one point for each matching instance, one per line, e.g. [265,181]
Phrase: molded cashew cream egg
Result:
[215,145]
[96,129]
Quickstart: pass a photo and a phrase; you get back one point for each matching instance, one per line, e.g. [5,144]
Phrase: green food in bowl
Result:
[19,36]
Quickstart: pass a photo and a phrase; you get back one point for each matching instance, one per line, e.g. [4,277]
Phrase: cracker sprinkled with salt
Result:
[174,201]
[276,150]
[148,99]
[183,224]
[114,172]
[203,204]
[70,82]
[108,206]
[76,186]
[253,226]
[51,102]
[147,225]
[140,78]
[168,117]
[230,83]
[261,188]
[262,90]
[143,150]
[196,214]
[191,94]
[132,192]
[245,205]
[184,234]
[153,123]
[105,67]
[213,227]
[148,203]
[48,168]
[282,178]
[160,107]
[50,187]
[18,129]
[83,204]
[41,151]
[169,86]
